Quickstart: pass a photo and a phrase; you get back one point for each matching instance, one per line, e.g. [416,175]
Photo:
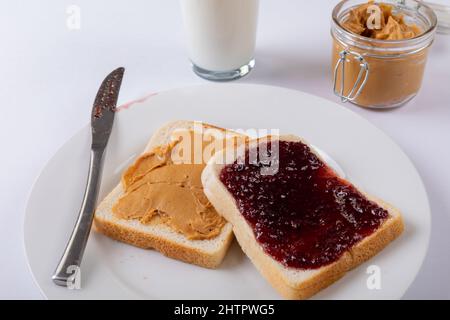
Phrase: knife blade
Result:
[103,110]
[67,272]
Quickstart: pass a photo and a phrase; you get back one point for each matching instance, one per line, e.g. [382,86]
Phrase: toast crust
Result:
[207,253]
[294,283]
[167,247]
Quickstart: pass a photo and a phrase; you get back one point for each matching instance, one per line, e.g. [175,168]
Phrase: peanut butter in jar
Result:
[381,65]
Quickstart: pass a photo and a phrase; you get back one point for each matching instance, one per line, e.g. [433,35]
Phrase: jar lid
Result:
[442,10]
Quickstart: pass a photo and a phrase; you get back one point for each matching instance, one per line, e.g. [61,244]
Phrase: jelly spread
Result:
[164,186]
[304,216]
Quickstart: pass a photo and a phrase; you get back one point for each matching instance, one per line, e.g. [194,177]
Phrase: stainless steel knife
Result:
[102,119]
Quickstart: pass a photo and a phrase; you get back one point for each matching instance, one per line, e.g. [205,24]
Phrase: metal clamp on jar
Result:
[379,73]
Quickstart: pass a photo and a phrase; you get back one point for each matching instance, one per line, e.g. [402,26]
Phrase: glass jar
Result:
[378,73]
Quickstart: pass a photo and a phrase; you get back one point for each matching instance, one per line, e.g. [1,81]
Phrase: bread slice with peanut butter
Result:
[159,203]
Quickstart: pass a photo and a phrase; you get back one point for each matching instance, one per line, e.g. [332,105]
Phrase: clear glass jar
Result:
[378,73]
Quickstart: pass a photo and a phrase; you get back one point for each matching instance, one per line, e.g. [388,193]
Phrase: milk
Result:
[220,34]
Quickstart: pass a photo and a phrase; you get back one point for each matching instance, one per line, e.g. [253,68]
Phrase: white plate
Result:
[114,270]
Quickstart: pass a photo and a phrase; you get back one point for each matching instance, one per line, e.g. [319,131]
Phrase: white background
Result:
[50,74]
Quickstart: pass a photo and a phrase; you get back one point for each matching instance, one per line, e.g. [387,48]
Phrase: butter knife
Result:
[102,119]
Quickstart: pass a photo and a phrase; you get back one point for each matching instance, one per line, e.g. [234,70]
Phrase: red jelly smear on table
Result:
[304,215]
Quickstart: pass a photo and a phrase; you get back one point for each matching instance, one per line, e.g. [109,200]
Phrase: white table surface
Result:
[50,75]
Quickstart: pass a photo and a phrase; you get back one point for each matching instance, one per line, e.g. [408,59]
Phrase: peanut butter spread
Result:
[164,186]
[391,27]
[392,78]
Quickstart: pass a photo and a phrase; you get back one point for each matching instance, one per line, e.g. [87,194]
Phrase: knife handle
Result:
[70,262]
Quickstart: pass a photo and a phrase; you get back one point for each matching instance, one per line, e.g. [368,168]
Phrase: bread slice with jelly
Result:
[332,226]
[161,236]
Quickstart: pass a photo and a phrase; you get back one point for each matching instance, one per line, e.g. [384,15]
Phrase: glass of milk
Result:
[221,36]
